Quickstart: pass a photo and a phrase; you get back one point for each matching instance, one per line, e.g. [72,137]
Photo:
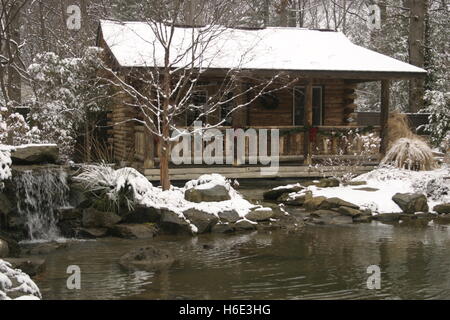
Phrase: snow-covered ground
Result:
[386,182]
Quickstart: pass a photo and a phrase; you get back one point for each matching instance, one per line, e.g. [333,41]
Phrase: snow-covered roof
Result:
[134,44]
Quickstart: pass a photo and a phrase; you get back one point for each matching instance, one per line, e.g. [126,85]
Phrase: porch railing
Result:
[328,142]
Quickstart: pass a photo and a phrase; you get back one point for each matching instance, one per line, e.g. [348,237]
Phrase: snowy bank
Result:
[115,182]
[17,285]
[383,183]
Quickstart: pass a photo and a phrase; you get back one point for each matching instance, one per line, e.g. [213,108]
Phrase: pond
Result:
[319,262]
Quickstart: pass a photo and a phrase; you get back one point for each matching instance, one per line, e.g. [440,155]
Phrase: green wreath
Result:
[269,101]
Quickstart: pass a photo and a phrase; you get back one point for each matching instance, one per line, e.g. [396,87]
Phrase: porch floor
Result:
[254,172]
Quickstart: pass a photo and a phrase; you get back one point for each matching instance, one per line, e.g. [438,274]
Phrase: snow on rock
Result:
[5,163]
[15,284]
[383,183]
[145,194]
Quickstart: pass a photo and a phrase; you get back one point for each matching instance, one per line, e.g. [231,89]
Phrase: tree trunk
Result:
[164,139]
[14,78]
[284,13]
[416,40]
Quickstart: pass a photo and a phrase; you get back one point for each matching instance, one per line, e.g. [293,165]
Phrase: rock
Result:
[69,214]
[320,213]
[411,202]
[229,216]
[171,222]
[362,219]
[202,220]
[442,208]
[367,189]
[134,231]
[331,203]
[347,211]
[35,154]
[69,221]
[222,228]
[93,218]
[275,193]
[356,183]
[79,197]
[207,193]
[329,217]
[297,199]
[45,248]
[4,249]
[142,214]
[5,205]
[31,266]
[13,247]
[244,225]
[260,214]
[387,217]
[313,203]
[147,259]
[328,183]
[93,233]
[341,220]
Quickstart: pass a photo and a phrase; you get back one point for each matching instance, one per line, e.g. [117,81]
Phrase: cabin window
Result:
[226,108]
[197,107]
[299,106]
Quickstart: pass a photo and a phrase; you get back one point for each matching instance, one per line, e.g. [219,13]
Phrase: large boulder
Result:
[222,228]
[244,225]
[92,233]
[275,193]
[93,218]
[134,231]
[229,216]
[295,199]
[443,208]
[411,202]
[142,214]
[387,217]
[202,220]
[35,154]
[260,214]
[351,212]
[174,223]
[335,203]
[313,203]
[207,193]
[147,259]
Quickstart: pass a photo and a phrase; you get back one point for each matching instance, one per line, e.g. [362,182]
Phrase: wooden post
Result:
[307,147]
[384,117]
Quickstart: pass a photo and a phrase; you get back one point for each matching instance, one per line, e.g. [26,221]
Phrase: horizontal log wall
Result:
[338,105]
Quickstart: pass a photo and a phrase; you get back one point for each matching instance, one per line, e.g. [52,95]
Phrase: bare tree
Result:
[164,91]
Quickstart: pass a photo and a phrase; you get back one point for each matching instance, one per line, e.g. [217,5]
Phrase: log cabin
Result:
[315,113]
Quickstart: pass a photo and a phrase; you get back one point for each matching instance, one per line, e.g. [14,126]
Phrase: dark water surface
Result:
[320,262]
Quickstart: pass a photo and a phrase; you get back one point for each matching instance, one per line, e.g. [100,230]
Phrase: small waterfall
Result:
[39,194]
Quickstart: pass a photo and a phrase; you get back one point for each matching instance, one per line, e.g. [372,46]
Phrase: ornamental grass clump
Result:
[406,149]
